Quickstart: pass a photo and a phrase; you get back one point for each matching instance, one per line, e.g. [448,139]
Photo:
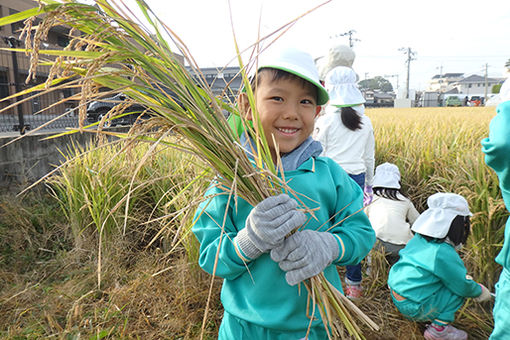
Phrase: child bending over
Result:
[390,213]
[429,282]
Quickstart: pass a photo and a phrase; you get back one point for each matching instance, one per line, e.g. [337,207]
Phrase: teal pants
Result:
[442,306]
[234,328]
[501,309]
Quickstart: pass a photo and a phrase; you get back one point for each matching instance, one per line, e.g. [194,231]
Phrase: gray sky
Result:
[447,36]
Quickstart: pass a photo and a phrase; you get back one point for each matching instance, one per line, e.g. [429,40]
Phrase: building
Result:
[225,82]
[14,67]
[475,85]
[444,82]
[457,83]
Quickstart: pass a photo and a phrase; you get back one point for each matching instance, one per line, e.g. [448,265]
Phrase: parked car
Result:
[97,109]
[453,101]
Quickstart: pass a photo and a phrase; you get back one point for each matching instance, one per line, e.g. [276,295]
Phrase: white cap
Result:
[504,91]
[387,175]
[298,63]
[443,208]
[341,85]
[338,55]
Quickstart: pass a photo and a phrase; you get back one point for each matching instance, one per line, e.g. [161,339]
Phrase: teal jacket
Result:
[256,290]
[497,155]
[426,267]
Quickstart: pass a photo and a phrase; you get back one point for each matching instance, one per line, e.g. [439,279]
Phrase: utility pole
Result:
[410,54]
[351,39]
[440,78]
[486,84]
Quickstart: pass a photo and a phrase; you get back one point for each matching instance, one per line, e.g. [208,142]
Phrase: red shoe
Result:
[353,292]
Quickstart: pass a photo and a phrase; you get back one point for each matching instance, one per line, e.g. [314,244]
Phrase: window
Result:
[4,84]
[16,26]
[62,41]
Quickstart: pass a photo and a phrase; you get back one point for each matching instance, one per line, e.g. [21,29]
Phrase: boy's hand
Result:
[305,254]
[486,294]
[268,224]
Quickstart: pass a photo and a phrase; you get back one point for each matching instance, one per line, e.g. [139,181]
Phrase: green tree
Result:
[376,83]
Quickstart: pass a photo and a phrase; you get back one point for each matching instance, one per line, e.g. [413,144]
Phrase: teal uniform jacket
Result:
[497,155]
[255,290]
[425,267]
[432,278]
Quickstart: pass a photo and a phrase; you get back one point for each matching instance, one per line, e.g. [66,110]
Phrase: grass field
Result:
[74,265]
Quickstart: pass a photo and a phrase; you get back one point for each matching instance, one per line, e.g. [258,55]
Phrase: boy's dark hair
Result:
[278,74]
[388,193]
[350,118]
[460,229]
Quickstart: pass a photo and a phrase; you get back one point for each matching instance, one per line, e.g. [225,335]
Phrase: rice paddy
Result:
[77,264]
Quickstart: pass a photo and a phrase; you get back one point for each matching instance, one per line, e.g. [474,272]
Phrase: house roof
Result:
[474,78]
[448,75]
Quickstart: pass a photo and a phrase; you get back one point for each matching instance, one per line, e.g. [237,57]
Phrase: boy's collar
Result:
[293,160]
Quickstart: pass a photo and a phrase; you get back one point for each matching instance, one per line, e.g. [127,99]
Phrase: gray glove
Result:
[305,254]
[485,295]
[267,225]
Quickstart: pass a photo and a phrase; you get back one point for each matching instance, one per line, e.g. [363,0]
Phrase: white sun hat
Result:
[299,63]
[443,208]
[341,85]
[338,55]
[504,91]
[387,175]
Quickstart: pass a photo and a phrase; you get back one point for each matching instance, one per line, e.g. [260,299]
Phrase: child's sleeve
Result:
[215,230]
[321,133]
[369,155]
[452,272]
[497,146]
[351,225]
[412,213]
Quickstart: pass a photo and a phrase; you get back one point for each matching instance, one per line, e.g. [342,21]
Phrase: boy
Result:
[497,155]
[260,266]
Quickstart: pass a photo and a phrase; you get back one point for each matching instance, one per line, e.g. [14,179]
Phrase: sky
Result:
[447,36]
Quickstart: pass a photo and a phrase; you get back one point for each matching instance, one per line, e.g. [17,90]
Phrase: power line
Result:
[349,33]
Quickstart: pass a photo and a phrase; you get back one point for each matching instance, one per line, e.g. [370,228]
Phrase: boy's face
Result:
[287,108]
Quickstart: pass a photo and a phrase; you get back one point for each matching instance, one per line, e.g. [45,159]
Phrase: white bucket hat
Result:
[341,85]
[443,208]
[504,91]
[298,63]
[338,55]
[387,175]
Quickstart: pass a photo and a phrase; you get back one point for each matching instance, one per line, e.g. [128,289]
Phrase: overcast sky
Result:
[447,36]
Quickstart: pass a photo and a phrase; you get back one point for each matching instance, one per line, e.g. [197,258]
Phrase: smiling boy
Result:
[248,246]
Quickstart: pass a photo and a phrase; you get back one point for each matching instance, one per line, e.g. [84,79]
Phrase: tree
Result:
[376,83]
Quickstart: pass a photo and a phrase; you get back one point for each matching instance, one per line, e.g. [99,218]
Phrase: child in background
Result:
[390,213]
[429,282]
[347,137]
[497,155]
[248,247]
